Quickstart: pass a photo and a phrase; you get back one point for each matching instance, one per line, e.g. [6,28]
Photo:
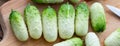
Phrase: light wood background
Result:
[9,39]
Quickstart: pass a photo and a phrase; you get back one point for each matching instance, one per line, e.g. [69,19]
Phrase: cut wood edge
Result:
[6,29]
[3,23]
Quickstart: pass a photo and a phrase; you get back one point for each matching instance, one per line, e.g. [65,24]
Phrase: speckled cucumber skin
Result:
[33,21]
[18,26]
[66,17]
[98,19]
[113,39]
[82,19]
[92,39]
[70,42]
[49,20]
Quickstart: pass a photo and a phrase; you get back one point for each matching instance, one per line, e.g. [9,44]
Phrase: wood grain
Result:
[1,32]
[9,39]
[2,1]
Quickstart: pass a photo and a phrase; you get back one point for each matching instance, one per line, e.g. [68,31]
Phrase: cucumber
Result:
[70,42]
[33,21]
[49,20]
[91,39]
[82,19]
[113,39]
[98,19]
[18,26]
[66,17]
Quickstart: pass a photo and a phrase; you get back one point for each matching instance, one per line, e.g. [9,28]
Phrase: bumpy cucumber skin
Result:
[48,1]
[66,17]
[18,26]
[65,43]
[113,39]
[98,17]
[82,19]
[49,19]
[91,39]
[70,42]
[77,41]
[33,21]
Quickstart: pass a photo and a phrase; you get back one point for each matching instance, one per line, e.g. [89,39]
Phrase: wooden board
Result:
[9,39]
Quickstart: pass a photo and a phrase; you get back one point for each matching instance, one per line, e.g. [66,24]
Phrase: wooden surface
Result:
[1,32]
[9,39]
[2,1]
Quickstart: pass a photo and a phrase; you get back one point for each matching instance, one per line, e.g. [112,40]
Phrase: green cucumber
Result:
[98,19]
[66,17]
[49,19]
[82,19]
[18,26]
[33,21]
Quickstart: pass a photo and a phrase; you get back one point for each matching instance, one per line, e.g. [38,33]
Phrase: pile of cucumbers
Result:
[64,22]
